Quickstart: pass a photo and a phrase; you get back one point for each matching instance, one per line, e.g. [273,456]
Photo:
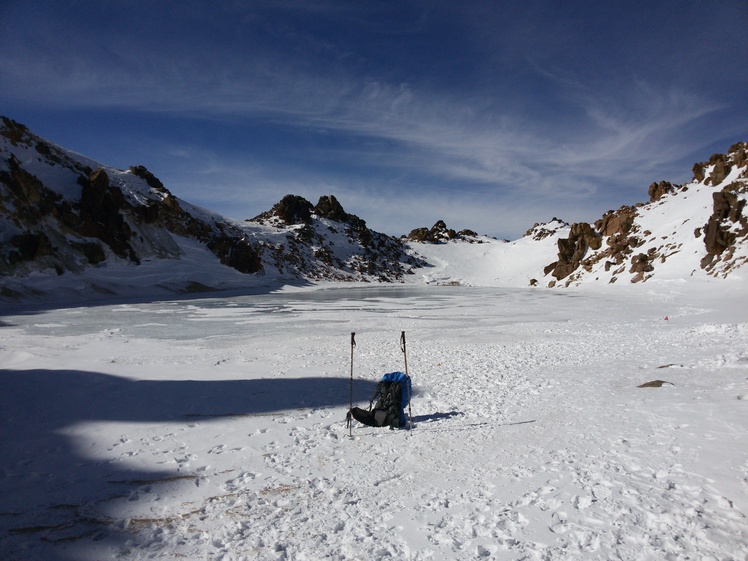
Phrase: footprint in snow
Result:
[582,502]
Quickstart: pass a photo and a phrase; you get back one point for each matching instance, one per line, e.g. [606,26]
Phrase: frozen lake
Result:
[212,428]
[329,311]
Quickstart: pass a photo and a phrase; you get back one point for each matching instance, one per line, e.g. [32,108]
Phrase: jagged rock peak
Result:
[294,209]
[439,233]
[329,207]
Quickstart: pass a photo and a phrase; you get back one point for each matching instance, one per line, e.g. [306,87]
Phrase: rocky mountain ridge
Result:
[324,242]
[77,213]
[64,216]
[635,241]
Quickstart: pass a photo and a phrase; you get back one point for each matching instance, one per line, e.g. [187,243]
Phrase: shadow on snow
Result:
[49,487]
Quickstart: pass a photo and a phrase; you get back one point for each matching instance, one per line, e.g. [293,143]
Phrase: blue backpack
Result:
[392,397]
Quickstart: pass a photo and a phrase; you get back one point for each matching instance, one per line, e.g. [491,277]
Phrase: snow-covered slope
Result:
[72,228]
[486,261]
[693,231]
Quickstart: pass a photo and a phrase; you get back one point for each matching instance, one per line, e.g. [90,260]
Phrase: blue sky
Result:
[488,115]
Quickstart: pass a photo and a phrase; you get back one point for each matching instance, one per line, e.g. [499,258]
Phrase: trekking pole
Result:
[405,356]
[350,424]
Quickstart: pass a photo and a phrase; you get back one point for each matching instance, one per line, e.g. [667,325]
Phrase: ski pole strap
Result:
[353,339]
[402,341]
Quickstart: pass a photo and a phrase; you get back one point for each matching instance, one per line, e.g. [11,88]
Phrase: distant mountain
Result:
[324,242]
[71,227]
[439,233]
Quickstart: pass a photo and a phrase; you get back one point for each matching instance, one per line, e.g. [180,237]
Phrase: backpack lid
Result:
[403,379]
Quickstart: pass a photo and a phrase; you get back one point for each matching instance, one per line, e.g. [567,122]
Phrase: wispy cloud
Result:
[541,136]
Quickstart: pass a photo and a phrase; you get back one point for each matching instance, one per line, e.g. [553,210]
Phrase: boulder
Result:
[616,222]
[657,190]
[641,264]
[654,384]
[719,172]
[698,172]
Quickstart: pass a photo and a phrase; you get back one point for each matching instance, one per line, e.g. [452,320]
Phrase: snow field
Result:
[213,429]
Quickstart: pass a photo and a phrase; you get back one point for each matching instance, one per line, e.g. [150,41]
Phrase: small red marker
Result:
[666,318]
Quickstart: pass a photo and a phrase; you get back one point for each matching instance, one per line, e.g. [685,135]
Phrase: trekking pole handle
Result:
[402,341]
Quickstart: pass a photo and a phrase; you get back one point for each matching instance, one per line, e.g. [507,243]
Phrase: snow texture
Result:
[213,428]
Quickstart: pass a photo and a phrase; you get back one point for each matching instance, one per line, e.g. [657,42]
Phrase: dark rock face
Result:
[69,234]
[101,215]
[291,209]
[30,246]
[237,253]
[720,232]
[572,250]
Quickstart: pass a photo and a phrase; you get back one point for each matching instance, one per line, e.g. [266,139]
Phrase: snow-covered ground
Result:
[214,428]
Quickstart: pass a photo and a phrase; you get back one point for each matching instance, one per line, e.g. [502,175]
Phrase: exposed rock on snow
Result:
[657,190]
[324,242]
[67,222]
[542,231]
[572,250]
[63,213]
[439,233]
[655,384]
[701,226]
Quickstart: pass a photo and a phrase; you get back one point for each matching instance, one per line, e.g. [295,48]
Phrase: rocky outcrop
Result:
[657,190]
[628,249]
[541,231]
[107,218]
[293,209]
[572,250]
[440,233]
[727,225]
[101,215]
[329,207]
[326,242]
[152,181]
